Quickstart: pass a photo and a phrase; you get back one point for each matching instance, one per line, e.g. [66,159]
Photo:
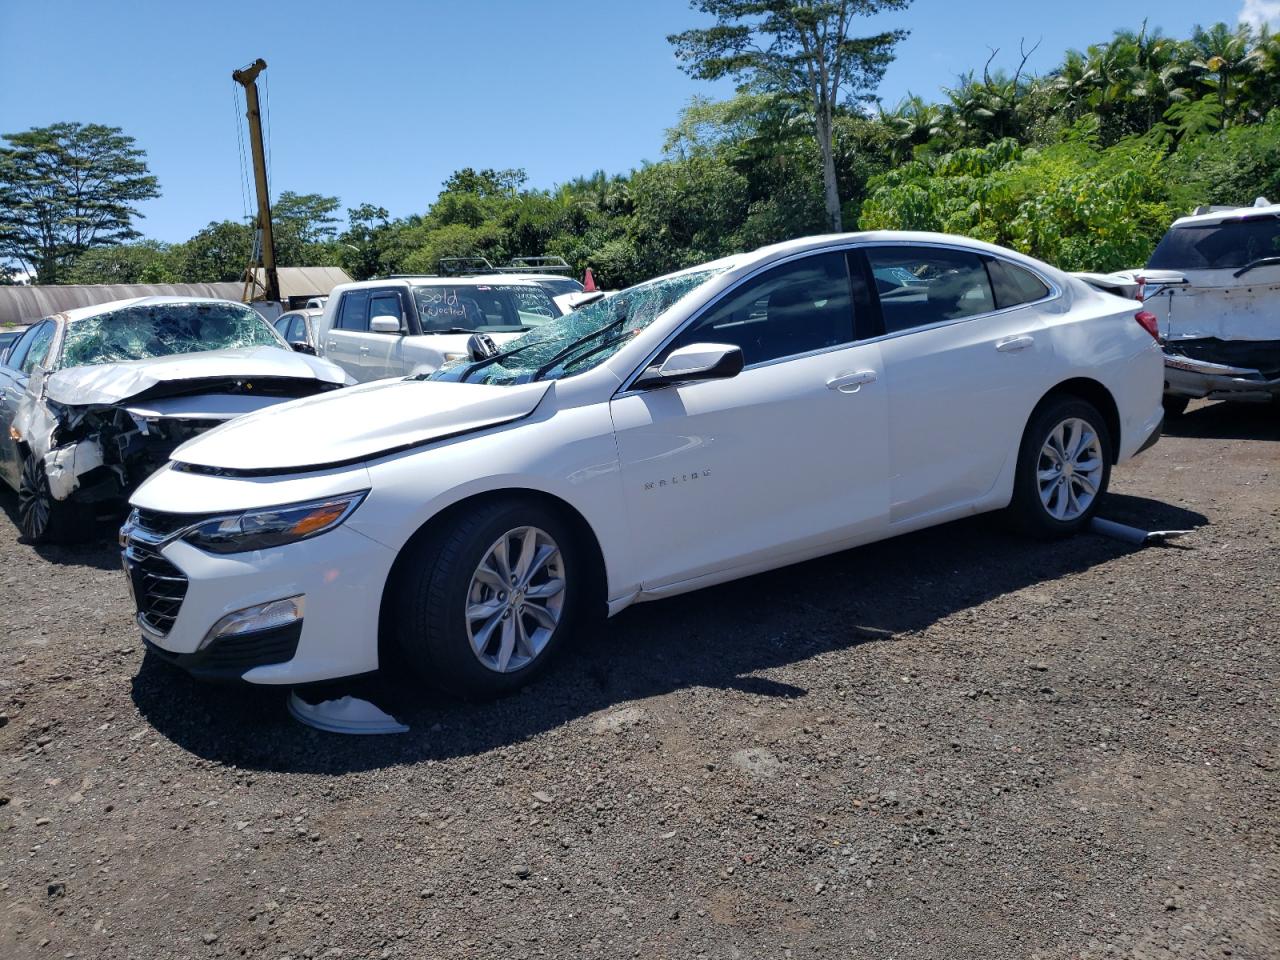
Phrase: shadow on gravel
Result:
[99,551]
[720,638]
[1227,421]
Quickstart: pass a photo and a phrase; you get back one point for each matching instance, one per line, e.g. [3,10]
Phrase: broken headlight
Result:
[273,526]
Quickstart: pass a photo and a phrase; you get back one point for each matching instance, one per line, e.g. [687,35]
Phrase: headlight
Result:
[273,526]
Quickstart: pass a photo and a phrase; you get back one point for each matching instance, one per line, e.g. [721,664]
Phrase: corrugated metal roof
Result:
[27,304]
[307,281]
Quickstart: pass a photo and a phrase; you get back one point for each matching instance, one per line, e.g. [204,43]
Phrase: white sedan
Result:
[757,411]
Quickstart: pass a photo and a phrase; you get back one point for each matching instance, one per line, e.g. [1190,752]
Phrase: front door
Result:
[776,462]
[352,345]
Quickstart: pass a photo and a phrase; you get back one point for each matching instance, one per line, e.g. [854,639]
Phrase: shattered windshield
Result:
[580,340]
[149,330]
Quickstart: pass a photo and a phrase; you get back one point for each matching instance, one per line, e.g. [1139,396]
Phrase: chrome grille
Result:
[158,586]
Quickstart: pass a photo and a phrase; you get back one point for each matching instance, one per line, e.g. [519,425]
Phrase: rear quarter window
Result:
[1013,285]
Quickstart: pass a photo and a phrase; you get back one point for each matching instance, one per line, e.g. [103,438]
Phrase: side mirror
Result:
[385,325]
[698,361]
[301,346]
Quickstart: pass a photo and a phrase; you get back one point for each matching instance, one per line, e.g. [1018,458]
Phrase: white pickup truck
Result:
[402,326]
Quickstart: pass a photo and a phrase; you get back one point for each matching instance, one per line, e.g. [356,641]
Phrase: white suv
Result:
[412,325]
[1213,283]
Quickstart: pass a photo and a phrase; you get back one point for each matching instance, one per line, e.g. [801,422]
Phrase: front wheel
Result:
[1063,469]
[485,601]
[41,518]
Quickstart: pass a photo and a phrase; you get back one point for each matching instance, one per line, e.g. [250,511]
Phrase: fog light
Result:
[265,616]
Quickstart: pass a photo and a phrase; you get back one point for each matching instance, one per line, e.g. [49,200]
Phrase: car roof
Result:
[81,313]
[429,279]
[1225,216]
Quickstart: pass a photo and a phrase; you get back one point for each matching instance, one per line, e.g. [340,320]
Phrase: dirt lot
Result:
[956,744]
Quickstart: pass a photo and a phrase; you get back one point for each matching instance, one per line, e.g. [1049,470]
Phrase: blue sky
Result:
[380,100]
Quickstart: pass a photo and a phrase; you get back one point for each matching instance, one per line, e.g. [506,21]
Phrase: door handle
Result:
[1014,344]
[330,344]
[852,382]
[364,349]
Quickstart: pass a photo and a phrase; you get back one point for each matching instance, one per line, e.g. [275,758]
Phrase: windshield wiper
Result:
[1263,262]
[599,348]
[581,341]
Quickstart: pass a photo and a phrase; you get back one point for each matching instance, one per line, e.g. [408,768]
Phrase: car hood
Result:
[108,383]
[359,423]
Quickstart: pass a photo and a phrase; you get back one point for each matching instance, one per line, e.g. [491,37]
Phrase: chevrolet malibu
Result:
[727,419]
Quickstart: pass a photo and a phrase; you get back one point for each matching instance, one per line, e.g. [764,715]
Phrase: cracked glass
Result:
[581,340]
[163,329]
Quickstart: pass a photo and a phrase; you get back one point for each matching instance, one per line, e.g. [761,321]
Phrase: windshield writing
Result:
[492,308]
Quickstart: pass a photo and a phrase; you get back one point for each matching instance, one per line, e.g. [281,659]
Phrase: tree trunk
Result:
[831,192]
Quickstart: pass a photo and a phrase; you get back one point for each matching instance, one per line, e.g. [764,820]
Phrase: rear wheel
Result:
[1063,469]
[484,602]
[41,518]
[1174,406]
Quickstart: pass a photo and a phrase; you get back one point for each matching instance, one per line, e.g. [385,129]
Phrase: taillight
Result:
[1148,322]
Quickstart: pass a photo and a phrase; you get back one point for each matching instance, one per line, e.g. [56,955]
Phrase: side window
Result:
[1013,285]
[38,351]
[282,324]
[353,312]
[800,306]
[385,305]
[21,346]
[918,286]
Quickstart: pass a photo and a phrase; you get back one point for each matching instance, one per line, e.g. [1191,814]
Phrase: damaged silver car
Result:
[93,400]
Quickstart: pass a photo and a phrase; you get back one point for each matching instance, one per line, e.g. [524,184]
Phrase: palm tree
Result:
[1226,59]
[914,122]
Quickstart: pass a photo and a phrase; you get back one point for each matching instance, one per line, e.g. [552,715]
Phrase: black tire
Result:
[1027,512]
[430,626]
[42,519]
[1174,406]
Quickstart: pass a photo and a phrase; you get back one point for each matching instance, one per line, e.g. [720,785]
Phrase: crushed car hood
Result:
[109,383]
[359,423]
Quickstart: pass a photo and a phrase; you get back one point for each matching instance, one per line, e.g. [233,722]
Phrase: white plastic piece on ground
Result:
[1121,531]
[347,715]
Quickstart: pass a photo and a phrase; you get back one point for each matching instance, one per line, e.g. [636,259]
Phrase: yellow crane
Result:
[265,250]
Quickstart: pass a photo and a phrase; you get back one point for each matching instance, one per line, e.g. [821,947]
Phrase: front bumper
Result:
[340,574]
[1188,377]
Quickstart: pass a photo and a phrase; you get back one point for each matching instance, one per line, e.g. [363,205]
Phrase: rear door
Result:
[965,355]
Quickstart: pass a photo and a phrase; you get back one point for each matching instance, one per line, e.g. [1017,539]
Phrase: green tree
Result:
[217,254]
[67,188]
[362,246]
[309,217]
[145,262]
[801,47]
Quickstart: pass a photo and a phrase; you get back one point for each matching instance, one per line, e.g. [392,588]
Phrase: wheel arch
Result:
[584,535]
[1094,392]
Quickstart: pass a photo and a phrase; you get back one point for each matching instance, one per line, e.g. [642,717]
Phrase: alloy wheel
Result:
[515,599]
[33,500]
[1069,469]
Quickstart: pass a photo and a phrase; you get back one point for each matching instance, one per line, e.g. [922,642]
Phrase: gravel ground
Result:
[955,744]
